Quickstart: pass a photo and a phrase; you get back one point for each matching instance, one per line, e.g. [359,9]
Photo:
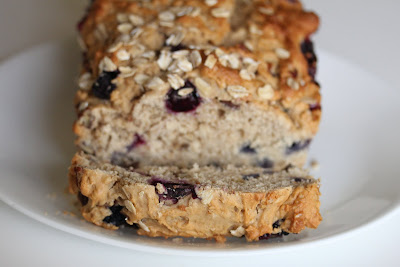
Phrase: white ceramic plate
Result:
[357,148]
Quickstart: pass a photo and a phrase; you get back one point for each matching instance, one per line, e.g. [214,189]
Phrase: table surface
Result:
[364,32]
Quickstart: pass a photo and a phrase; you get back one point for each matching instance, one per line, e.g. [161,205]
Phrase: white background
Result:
[362,31]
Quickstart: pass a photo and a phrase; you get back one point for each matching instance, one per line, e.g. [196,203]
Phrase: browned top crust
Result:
[254,51]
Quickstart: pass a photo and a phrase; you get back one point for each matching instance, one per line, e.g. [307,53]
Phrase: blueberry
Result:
[298,146]
[103,87]
[116,218]
[183,103]
[247,149]
[299,180]
[266,163]
[294,73]
[83,199]
[253,175]
[175,47]
[174,191]
[268,236]
[265,237]
[316,106]
[137,141]
[307,47]
[278,223]
[178,47]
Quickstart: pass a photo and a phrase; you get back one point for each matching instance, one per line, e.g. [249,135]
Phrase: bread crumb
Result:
[69,213]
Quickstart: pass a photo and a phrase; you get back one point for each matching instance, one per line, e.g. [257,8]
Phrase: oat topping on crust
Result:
[271,36]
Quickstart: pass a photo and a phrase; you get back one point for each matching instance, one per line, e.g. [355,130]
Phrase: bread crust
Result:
[286,28]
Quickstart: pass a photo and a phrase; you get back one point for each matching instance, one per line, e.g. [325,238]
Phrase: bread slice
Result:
[203,202]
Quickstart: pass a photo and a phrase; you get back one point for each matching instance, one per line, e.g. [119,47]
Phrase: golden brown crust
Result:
[266,28]
[217,214]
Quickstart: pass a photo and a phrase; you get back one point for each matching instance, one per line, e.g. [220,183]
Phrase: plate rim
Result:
[384,215]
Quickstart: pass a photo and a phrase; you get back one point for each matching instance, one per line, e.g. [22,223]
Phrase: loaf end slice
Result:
[223,82]
[202,202]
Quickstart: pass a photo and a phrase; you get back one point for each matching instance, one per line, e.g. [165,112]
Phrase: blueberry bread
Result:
[219,82]
[203,202]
